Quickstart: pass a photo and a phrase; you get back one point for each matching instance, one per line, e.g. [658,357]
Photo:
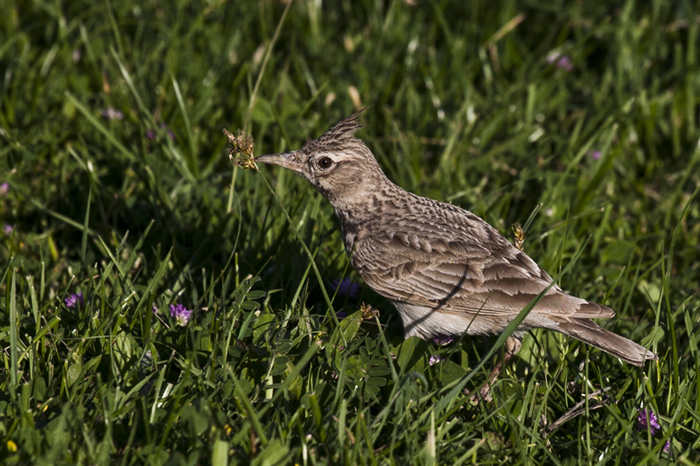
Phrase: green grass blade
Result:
[11,303]
[86,222]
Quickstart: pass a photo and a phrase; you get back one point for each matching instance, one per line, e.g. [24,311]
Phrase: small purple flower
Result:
[171,134]
[667,447]
[646,419]
[4,189]
[77,54]
[565,64]
[560,61]
[154,309]
[8,229]
[180,314]
[73,300]
[346,287]
[434,359]
[595,155]
[151,133]
[442,340]
[112,114]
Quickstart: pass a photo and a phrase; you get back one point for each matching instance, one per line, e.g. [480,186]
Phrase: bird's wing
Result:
[422,267]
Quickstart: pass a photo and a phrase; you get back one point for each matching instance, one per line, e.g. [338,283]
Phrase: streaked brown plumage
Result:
[445,270]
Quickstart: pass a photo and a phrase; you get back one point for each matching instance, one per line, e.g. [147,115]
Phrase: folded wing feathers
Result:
[427,273]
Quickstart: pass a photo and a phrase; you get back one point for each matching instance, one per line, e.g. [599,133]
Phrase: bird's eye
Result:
[324,163]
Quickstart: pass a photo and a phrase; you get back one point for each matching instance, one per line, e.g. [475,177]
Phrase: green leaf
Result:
[262,324]
[73,373]
[411,352]
[378,371]
[274,453]
[348,328]
[376,381]
[449,371]
[219,453]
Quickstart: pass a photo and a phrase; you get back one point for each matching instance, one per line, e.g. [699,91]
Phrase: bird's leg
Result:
[513,345]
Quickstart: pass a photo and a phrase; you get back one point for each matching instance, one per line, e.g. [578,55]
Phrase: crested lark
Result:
[445,270]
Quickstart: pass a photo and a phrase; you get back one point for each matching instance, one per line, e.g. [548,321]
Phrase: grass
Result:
[472,104]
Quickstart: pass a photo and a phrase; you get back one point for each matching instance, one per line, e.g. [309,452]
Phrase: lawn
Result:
[120,212]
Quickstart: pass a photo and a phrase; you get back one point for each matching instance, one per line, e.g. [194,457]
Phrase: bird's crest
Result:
[338,136]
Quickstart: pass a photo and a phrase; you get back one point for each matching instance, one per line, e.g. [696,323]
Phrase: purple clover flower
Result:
[442,340]
[151,133]
[346,287]
[646,419]
[171,134]
[8,229]
[560,61]
[74,300]
[434,359]
[595,155]
[112,114]
[4,189]
[565,64]
[180,314]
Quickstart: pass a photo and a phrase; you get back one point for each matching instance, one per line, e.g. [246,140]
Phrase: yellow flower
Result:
[11,446]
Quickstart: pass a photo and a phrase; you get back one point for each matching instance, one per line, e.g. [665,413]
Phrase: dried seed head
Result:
[243,146]
[519,234]
[368,312]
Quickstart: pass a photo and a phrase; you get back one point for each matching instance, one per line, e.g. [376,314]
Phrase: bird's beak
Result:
[290,160]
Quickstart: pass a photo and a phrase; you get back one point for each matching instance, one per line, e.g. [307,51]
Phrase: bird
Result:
[445,270]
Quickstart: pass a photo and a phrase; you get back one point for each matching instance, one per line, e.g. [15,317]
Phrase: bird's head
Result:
[339,165]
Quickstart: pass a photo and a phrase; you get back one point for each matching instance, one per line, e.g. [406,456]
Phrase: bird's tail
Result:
[588,332]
